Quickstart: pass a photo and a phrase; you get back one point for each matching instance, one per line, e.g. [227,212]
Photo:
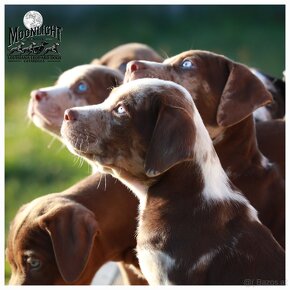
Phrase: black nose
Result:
[70,115]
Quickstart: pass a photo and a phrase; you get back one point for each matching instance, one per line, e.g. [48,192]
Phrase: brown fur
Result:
[226,93]
[50,110]
[119,56]
[74,233]
[271,141]
[175,219]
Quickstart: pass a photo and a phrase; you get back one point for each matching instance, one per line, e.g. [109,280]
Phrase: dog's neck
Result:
[237,148]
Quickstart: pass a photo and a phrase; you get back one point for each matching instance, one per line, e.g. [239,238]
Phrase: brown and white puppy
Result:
[64,238]
[194,226]
[119,56]
[226,93]
[276,86]
[82,85]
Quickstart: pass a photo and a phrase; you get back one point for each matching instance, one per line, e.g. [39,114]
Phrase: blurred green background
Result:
[254,35]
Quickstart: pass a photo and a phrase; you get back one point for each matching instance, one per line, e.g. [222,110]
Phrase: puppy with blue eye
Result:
[82,85]
[226,94]
[194,226]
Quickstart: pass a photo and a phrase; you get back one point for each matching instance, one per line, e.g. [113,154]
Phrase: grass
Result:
[254,35]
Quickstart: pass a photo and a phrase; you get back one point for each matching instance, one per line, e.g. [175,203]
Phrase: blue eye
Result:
[187,64]
[82,87]
[34,263]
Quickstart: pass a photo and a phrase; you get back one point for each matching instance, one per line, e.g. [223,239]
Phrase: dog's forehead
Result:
[187,54]
[72,75]
[141,88]
[30,211]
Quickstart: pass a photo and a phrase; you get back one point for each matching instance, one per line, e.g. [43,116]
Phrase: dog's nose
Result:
[70,115]
[136,65]
[38,95]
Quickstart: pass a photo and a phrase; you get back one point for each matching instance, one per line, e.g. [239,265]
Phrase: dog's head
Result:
[50,241]
[143,128]
[118,57]
[225,92]
[79,86]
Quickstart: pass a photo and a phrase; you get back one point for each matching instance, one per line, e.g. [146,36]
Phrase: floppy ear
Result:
[243,93]
[72,229]
[115,79]
[172,140]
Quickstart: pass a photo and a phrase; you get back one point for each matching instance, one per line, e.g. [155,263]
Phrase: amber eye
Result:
[187,64]
[82,87]
[33,263]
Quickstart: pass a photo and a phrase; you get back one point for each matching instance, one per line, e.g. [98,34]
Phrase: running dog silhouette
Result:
[52,48]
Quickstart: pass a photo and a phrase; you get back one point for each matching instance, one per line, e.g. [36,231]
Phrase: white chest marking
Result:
[155,266]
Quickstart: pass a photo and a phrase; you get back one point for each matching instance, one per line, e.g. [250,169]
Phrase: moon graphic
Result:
[32,19]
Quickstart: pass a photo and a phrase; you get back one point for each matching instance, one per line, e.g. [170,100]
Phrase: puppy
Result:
[118,57]
[79,86]
[226,94]
[64,238]
[83,85]
[194,226]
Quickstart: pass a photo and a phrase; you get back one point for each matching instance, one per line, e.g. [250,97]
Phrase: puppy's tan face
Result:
[50,241]
[79,86]
[29,252]
[224,92]
[118,133]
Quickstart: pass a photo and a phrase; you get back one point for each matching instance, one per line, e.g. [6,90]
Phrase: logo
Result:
[36,43]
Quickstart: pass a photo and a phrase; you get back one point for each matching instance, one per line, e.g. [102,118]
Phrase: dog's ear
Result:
[72,229]
[114,79]
[243,94]
[172,140]
[95,61]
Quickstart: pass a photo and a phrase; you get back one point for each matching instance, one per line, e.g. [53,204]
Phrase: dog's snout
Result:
[136,65]
[70,115]
[38,95]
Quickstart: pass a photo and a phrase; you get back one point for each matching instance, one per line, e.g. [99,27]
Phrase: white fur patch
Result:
[155,266]
[216,183]
[204,260]
[262,114]
[265,161]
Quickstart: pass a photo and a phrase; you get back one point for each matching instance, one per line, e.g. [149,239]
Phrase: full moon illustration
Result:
[32,19]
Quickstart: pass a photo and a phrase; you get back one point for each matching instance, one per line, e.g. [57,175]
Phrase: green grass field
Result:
[254,35]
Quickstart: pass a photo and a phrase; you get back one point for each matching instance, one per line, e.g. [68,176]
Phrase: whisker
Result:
[89,168]
[81,163]
[51,142]
[100,180]
[62,146]
[105,182]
